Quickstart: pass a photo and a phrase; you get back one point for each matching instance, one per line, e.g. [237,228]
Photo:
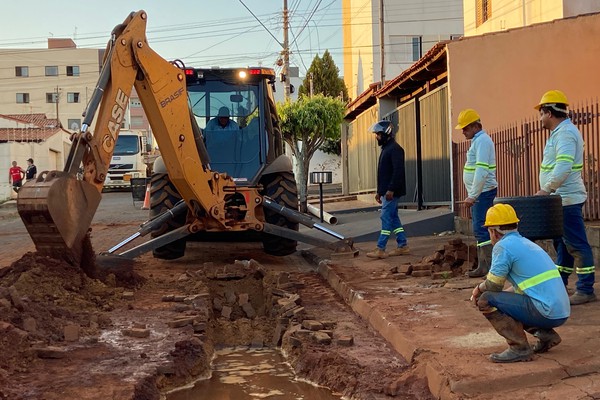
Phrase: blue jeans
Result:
[574,251]
[520,308]
[478,211]
[390,223]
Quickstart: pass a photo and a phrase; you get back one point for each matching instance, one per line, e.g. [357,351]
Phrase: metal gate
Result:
[435,148]
[362,153]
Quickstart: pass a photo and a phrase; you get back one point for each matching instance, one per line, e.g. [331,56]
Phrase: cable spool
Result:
[541,216]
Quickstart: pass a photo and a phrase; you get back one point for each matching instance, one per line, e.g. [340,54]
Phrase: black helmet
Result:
[384,127]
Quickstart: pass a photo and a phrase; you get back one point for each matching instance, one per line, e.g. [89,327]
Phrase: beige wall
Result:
[404,19]
[37,84]
[507,14]
[504,75]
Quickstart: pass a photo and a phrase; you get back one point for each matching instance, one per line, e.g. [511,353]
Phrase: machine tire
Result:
[163,197]
[540,216]
[281,188]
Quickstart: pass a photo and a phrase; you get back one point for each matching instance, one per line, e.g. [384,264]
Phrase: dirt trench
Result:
[67,335]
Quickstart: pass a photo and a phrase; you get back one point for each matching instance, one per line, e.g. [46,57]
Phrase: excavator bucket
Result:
[57,210]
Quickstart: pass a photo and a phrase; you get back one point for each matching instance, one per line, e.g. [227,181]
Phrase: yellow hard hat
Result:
[466,117]
[553,97]
[500,214]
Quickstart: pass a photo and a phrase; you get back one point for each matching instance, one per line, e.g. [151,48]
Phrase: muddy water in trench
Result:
[243,374]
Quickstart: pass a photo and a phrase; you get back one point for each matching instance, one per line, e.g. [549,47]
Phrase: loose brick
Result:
[136,332]
[345,340]
[128,295]
[71,333]
[312,325]
[321,338]
[249,310]
[226,312]
[419,274]
[51,352]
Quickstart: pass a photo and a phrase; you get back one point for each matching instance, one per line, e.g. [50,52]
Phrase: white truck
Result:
[128,160]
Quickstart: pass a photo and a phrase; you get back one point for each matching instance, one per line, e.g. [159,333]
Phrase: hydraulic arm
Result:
[57,208]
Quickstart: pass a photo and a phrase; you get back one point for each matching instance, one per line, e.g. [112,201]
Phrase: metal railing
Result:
[519,152]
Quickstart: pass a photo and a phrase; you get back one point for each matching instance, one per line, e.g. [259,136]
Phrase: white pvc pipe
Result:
[330,219]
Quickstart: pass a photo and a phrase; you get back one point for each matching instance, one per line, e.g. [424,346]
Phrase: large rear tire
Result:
[281,188]
[163,197]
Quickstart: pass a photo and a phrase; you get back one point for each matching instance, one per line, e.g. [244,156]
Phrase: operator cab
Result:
[232,106]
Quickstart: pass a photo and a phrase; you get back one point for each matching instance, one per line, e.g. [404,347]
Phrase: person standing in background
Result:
[31,171]
[15,176]
[560,174]
[479,176]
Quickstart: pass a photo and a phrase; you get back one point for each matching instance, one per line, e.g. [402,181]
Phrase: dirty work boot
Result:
[377,253]
[400,251]
[512,331]
[547,339]
[484,260]
[581,298]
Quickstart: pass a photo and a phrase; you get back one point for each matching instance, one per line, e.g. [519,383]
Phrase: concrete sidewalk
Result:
[433,323]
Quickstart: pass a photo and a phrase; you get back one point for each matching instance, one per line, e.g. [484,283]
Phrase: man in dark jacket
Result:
[391,185]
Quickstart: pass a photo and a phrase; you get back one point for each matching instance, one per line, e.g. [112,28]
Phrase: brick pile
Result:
[450,260]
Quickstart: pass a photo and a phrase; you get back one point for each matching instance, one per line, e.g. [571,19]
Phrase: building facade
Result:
[57,81]
[410,29]
[484,16]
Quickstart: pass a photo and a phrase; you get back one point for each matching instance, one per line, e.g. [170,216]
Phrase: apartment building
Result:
[484,16]
[382,38]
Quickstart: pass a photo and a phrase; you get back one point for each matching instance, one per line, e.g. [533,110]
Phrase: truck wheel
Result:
[163,197]
[282,189]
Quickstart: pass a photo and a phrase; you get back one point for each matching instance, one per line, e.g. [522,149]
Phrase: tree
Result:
[325,77]
[326,80]
[305,124]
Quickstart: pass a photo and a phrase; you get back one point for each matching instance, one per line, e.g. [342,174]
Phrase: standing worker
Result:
[391,185]
[15,176]
[560,173]
[537,302]
[31,171]
[479,176]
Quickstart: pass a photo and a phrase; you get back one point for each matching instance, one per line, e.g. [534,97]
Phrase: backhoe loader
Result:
[253,190]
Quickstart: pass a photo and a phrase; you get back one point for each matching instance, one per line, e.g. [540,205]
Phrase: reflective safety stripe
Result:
[469,169]
[398,230]
[566,270]
[577,167]
[498,280]
[540,278]
[585,270]
[547,167]
[565,157]
[386,233]
[481,244]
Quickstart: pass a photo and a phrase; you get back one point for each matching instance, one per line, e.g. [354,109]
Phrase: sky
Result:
[202,33]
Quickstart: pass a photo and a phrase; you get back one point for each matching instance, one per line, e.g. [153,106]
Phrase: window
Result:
[137,121]
[22,98]
[72,97]
[52,70]
[404,49]
[74,124]
[484,11]
[72,70]
[52,97]
[21,71]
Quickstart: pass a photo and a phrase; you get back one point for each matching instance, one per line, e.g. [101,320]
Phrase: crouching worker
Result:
[536,303]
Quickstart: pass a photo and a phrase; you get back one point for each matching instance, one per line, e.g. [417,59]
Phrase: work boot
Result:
[547,339]
[377,253]
[400,251]
[581,298]
[484,260]
[512,331]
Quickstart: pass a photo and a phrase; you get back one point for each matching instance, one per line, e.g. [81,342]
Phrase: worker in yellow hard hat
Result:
[537,301]
[479,177]
[560,174]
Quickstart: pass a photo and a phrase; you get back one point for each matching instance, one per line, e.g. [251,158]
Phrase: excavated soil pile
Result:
[45,301]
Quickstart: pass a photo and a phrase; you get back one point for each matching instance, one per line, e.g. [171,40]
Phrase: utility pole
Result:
[57,97]
[381,43]
[286,53]
[311,85]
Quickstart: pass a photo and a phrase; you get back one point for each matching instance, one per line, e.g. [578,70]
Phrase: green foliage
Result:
[311,120]
[325,78]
